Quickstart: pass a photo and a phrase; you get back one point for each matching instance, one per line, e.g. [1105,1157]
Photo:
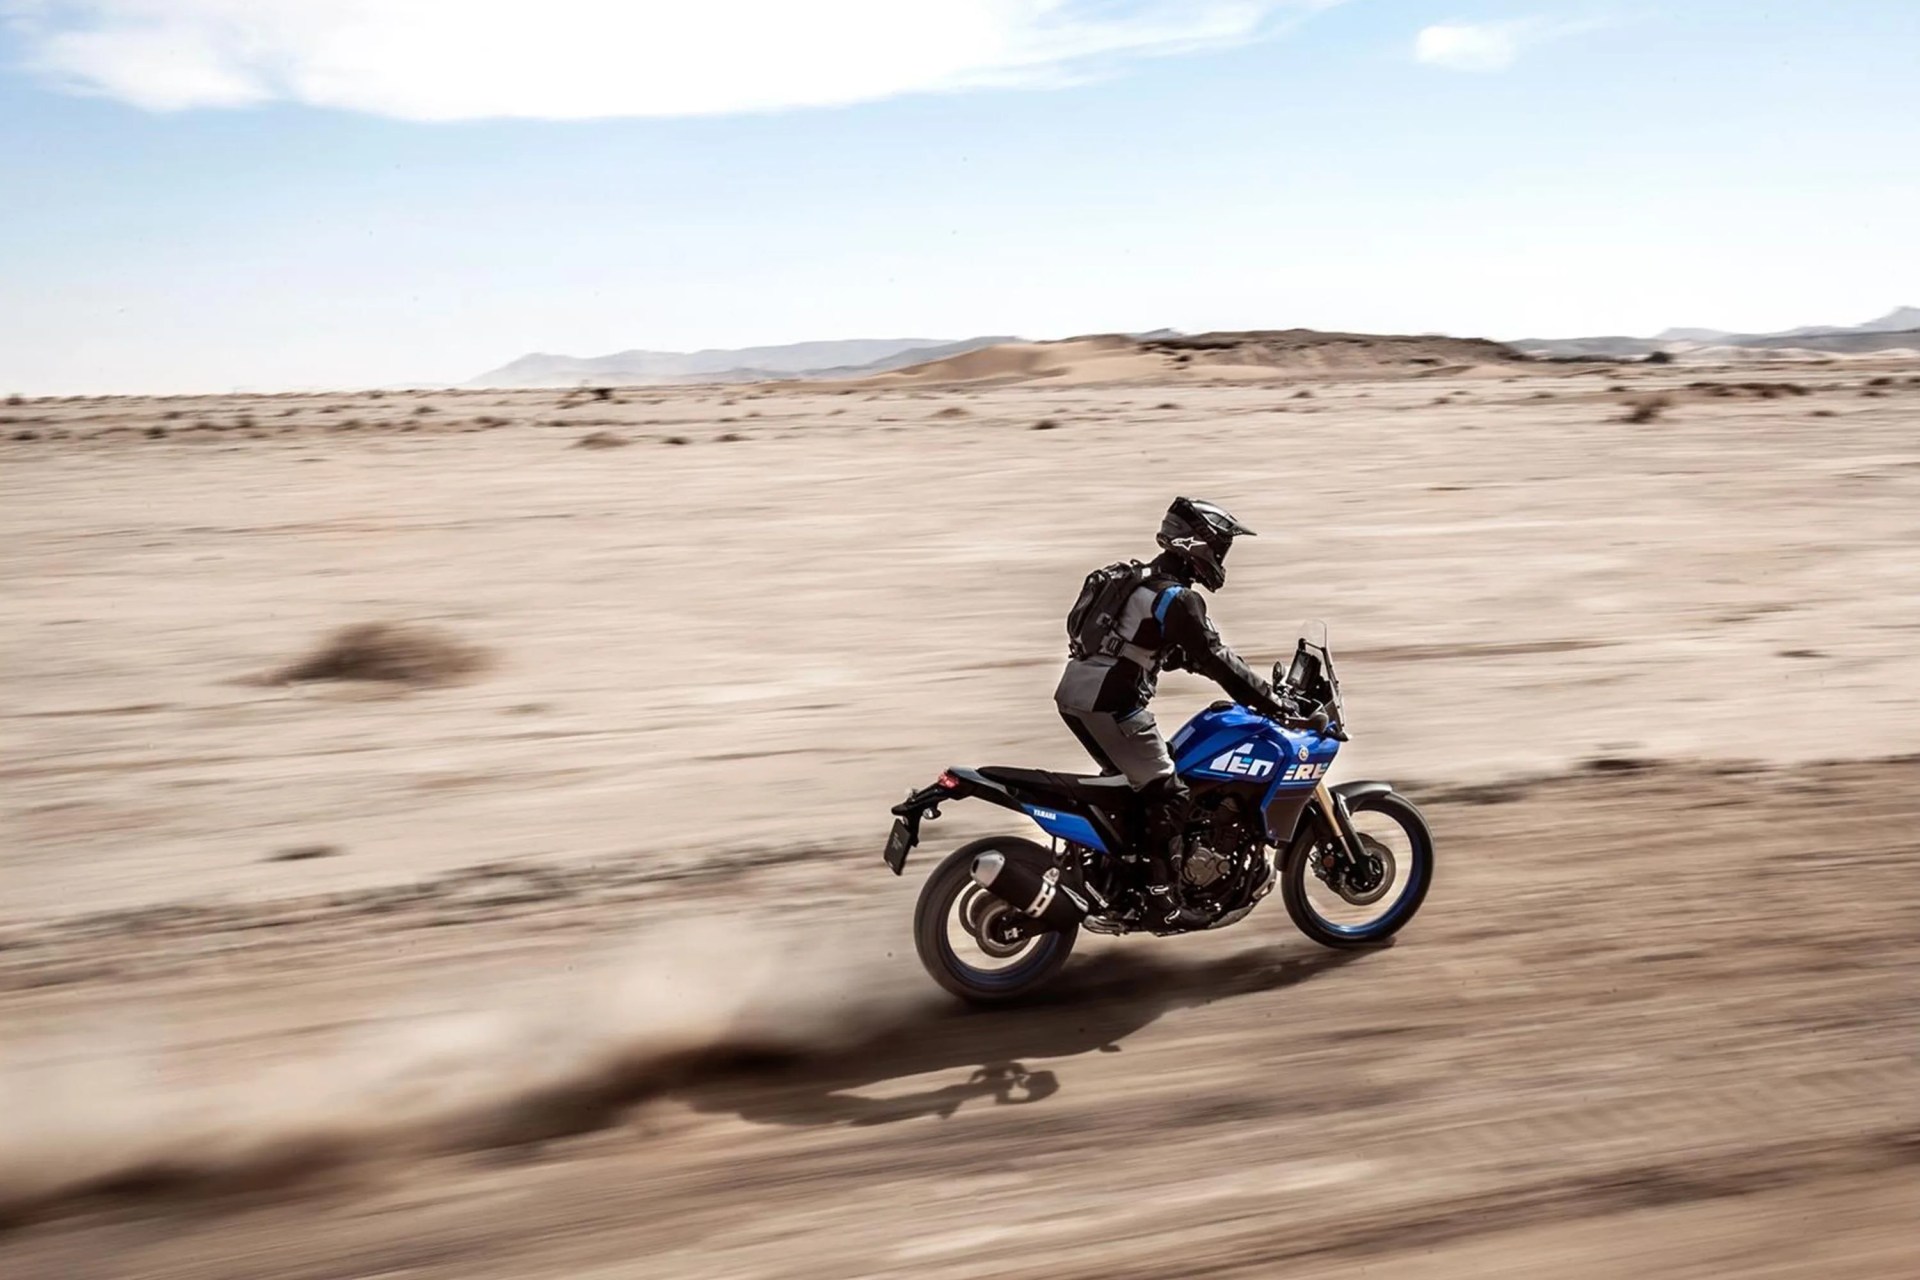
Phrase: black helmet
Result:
[1199,534]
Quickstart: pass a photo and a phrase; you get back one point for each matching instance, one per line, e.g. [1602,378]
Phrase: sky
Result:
[217,195]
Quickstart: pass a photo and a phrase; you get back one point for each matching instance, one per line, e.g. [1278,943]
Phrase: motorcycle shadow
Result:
[1092,1008]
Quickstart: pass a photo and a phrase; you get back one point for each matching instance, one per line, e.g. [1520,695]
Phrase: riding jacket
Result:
[1165,627]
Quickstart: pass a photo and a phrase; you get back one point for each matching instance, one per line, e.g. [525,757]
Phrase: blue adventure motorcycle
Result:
[999,916]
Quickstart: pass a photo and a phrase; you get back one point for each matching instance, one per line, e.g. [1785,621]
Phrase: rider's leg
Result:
[1133,743]
[1084,736]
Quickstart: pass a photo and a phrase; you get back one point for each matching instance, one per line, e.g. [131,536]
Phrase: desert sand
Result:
[582,961]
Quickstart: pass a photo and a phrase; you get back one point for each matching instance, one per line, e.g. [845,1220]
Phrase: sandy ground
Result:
[586,966]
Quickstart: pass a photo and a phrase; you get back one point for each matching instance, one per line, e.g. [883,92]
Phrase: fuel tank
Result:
[1228,745]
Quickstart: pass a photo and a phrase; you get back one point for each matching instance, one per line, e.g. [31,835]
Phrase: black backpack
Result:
[1093,624]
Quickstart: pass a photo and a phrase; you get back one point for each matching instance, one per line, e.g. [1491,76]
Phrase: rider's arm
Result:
[1200,649]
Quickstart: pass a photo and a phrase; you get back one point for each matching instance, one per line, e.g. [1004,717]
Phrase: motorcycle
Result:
[998,917]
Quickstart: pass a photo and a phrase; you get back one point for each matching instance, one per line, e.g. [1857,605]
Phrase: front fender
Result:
[1353,791]
[1313,821]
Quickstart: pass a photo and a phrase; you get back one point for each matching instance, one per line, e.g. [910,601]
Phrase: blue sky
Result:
[267,194]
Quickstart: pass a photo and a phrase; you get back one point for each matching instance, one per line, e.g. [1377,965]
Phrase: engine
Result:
[1223,852]
[1203,866]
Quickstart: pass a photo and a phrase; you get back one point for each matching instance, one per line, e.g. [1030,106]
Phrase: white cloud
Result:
[577,59]
[1486,46]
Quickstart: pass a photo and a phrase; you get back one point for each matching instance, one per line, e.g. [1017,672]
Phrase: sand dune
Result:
[1249,354]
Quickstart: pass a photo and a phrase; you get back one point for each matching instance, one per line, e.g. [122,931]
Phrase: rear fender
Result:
[953,784]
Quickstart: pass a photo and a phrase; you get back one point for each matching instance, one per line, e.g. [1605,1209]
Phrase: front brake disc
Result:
[1381,869]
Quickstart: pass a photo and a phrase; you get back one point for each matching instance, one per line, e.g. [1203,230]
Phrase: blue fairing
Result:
[1235,745]
[1229,746]
[1067,826]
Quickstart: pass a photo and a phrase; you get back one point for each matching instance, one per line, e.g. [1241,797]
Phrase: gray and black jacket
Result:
[1167,627]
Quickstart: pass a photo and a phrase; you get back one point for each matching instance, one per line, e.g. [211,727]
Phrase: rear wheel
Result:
[973,943]
[1380,896]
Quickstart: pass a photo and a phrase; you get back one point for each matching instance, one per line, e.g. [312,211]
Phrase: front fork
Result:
[1340,824]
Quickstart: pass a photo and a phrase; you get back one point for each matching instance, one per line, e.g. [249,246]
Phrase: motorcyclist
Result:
[1164,625]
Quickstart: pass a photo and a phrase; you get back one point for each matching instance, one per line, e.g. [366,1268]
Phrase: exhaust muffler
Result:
[1030,892]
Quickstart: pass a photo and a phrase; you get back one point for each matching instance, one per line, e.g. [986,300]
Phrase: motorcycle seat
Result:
[1108,792]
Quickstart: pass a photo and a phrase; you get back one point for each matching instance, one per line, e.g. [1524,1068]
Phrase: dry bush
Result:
[676,440]
[1647,408]
[1303,394]
[386,653]
[1166,404]
[1045,424]
[952,411]
[731,437]
[601,440]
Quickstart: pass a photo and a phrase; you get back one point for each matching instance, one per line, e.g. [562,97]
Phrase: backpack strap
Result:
[1165,602]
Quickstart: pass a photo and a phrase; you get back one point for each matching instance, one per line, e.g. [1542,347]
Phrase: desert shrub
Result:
[951,411]
[1303,394]
[172,415]
[386,653]
[1166,404]
[1879,382]
[1647,408]
[731,437]
[601,440]
[16,399]
[1659,357]
[156,432]
[423,409]
[1046,424]
[676,440]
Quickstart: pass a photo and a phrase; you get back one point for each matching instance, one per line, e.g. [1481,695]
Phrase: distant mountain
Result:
[852,357]
[1898,320]
[1900,327]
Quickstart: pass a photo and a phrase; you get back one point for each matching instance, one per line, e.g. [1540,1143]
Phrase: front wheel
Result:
[975,944]
[1373,906]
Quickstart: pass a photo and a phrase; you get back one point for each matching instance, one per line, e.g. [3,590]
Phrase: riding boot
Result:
[1169,803]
